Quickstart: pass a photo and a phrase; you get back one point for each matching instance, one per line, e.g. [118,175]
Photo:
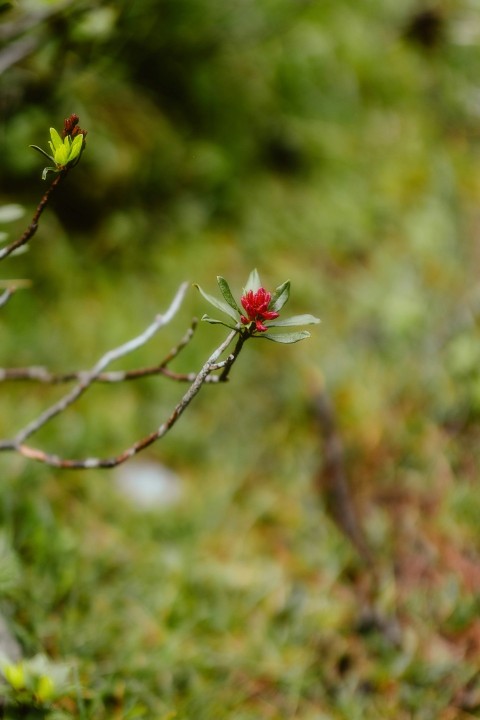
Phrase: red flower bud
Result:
[70,127]
[256,305]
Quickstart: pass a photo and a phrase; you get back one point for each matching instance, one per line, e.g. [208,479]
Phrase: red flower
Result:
[256,305]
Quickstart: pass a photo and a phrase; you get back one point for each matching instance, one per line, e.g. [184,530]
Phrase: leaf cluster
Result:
[279,298]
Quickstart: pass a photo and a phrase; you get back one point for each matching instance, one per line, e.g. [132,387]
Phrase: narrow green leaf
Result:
[214,321]
[35,147]
[253,283]
[227,294]
[280,296]
[61,155]
[219,304]
[285,338]
[295,320]
[56,139]
[76,148]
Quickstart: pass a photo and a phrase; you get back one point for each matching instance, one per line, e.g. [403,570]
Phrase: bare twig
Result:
[89,377]
[38,373]
[98,373]
[32,228]
[6,295]
[211,365]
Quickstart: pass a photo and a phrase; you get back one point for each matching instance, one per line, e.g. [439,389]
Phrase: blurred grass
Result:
[332,143]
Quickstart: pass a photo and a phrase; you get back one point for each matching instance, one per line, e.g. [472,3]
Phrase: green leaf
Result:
[227,293]
[61,154]
[295,320]
[56,140]
[285,338]
[280,296]
[219,304]
[76,148]
[214,321]
[253,283]
[35,147]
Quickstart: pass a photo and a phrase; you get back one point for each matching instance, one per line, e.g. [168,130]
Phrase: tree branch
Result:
[40,374]
[90,376]
[32,228]
[89,463]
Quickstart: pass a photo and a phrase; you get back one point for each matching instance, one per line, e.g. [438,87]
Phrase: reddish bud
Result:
[256,305]
[70,127]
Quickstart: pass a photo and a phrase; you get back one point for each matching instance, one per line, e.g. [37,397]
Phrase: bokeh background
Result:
[333,143]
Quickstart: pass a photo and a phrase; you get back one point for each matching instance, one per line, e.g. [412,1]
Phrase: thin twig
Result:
[90,463]
[89,377]
[6,295]
[32,228]
[38,373]
[42,375]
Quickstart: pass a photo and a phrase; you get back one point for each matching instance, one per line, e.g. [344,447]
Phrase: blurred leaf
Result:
[253,283]
[219,304]
[227,294]
[214,321]
[294,320]
[280,296]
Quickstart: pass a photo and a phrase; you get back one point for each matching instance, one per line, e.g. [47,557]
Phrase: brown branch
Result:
[211,365]
[40,374]
[89,377]
[32,228]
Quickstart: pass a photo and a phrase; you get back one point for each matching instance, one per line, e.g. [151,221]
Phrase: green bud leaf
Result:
[76,148]
[61,154]
[219,304]
[64,151]
[56,140]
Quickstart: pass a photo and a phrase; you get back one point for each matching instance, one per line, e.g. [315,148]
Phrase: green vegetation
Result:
[332,143]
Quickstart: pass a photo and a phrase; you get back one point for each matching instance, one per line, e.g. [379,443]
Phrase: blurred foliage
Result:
[333,143]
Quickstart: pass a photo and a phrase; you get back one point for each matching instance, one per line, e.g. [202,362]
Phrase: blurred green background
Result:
[333,143]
